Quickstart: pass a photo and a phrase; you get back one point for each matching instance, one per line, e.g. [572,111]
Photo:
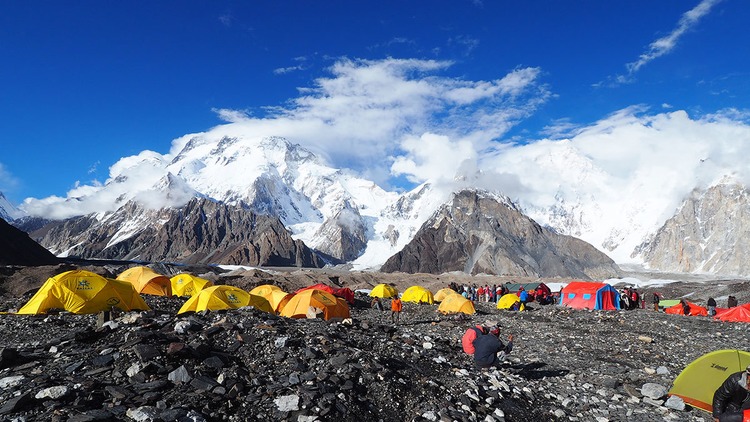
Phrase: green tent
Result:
[699,380]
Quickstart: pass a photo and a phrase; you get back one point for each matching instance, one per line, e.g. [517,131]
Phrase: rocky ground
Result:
[567,365]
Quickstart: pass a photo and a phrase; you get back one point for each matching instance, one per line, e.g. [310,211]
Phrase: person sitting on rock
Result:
[732,398]
[489,351]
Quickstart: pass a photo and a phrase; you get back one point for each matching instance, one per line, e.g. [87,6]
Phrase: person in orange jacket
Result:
[396,307]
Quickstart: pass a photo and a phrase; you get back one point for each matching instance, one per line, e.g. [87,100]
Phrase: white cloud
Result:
[665,44]
[365,116]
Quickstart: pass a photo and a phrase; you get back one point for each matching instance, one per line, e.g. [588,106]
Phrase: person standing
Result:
[524,297]
[655,300]
[685,306]
[711,306]
[396,307]
[732,397]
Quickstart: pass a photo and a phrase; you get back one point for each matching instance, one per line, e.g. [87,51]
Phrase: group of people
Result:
[493,293]
[631,298]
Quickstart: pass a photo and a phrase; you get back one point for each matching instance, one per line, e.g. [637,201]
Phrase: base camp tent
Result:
[216,298]
[343,292]
[277,297]
[417,294]
[590,295]
[455,303]
[509,300]
[538,287]
[299,306]
[383,291]
[736,314]
[83,292]
[147,281]
[443,293]
[699,380]
[695,310]
[187,285]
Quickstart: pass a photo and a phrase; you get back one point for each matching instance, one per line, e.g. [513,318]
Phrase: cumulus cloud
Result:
[667,43]
[366,116]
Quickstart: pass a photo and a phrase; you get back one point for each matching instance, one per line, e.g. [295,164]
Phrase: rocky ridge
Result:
[19,249]
[201,231]
[477,233]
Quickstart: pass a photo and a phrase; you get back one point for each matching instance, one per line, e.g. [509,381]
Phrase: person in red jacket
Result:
[396,307]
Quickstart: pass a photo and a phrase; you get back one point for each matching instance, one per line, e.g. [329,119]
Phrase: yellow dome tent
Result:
[383,291]
[299,305]
[443,293]
[275,296]
[455,303]
[699,380]
[508,300]
[83,292]
[188,285]
[417,294]
[216,298]
[147,281]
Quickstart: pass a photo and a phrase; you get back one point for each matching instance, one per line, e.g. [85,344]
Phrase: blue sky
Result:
[86,83]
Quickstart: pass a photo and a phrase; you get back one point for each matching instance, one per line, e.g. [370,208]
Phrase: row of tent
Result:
[736,314]
[451,302]
[84,292]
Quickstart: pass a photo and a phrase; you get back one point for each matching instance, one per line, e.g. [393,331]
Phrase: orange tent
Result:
[147,281]
[695,310]
[736,314]
[299,305]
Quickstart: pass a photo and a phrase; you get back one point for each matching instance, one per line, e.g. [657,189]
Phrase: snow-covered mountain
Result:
[353,219]
[332,211]
[708,234]
[7,211]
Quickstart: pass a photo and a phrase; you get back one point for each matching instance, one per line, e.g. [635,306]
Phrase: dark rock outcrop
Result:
[17,248]
[477,233]
[202,231]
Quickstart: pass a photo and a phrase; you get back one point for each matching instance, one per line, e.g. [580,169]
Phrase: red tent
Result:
[590,295]
[344,292]
[736,314]
[695,310]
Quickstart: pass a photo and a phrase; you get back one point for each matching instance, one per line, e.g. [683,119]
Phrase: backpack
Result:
[467,340]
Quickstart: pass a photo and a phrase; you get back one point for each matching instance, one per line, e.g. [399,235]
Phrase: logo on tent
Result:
[723,368]
[179,281]
[113,301]
[232,298]
[83,285]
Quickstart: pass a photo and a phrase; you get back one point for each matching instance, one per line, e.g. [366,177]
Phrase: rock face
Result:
[343,235]
[17,248]
[477,233]
[202,231]
[707,235]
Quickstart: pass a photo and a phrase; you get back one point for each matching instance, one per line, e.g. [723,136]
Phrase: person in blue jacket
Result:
[489,351]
